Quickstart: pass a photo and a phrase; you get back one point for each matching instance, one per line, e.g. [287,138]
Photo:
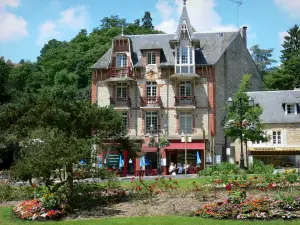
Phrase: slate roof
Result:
[212,46]
[273,102]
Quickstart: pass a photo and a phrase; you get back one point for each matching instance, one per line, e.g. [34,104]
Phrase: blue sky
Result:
[26,25]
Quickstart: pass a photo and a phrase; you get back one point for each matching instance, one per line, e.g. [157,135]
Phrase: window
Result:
[184,58]
[151,89]
[151,58]
[151,118]
[121,90]
[178,56]
[121,60]
[184,55]
[125,122]
[291,109]
[185,88]
[186,122]
[276,137]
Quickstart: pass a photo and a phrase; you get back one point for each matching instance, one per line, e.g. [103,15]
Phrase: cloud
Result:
[71,19]
[281,37]
[12,27]
[48,30]
[202,14]
[75,17]
[9,3]
[291,7]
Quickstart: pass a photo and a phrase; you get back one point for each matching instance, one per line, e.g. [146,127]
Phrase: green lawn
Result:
[182,183]
[6,218]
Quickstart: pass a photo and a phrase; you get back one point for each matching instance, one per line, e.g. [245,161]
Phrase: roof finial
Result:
[184,3]
[122,30]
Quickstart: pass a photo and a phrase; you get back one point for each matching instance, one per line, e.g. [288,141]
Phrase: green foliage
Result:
[286,77]
[219,169]
[4,76]
[262,58]
[259,167]
[49,199]
[147,21]
[237,197]
[242,118]
[11,193]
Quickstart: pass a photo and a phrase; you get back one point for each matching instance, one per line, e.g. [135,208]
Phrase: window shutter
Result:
[284,137]
[270,134]
[298,108]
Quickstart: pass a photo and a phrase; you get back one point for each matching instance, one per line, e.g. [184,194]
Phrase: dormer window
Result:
[151,58]
[184,58]
[290,109]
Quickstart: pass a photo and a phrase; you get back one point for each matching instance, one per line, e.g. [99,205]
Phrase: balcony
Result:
[151,102]
[120,102]
[185,101]
[120,72]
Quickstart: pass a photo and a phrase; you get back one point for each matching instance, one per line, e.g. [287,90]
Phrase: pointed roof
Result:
[184,18]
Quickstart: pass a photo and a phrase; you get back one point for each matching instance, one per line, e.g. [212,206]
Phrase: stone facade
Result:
[193,74]
[234,63]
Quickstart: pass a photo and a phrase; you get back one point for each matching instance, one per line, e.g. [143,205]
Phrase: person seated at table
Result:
[172,169]
[180,168]
[187,167]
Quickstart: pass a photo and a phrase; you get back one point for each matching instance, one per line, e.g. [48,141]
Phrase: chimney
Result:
[243,32]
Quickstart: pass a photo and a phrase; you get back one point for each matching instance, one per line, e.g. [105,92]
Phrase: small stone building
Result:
[281,118]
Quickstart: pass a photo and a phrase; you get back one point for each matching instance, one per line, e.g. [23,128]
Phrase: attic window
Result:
[290,109]
[220,34]
[184,32]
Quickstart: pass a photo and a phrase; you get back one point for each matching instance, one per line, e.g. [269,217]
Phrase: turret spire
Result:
[122,30]
[184,3]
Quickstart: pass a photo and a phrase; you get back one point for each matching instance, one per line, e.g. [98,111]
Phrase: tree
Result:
[287,76]
[66,124]
[250,129]
[137,22]
[291,44]
[4,74]
[147,21]
[112,21]
[262,58]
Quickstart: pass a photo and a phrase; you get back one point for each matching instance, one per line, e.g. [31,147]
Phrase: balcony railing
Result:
[125,102]
[185,101]
[120,72]
[154,101]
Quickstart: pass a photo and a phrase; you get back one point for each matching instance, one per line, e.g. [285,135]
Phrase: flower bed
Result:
[33,210]
[258,208]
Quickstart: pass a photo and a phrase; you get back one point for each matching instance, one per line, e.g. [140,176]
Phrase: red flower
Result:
[197,189]
[228,187]
[271,185]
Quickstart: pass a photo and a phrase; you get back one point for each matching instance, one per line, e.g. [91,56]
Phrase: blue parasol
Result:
[121,163]
[142,161]
[198,159]
[147,162]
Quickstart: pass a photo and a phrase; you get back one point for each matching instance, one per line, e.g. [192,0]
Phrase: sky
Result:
[26,25]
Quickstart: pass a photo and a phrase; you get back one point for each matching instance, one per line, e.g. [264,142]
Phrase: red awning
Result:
[145,148]
[190,146]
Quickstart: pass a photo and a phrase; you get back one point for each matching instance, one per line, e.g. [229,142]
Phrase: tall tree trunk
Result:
[247,155]
[70,185]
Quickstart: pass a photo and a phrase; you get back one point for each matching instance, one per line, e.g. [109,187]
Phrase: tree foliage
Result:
[262,58]
[287,76]
[50,101]
[251,127]
[147,21]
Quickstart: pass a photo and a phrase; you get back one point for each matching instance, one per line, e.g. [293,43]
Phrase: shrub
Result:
[259,167]
[11,193]
[223,168]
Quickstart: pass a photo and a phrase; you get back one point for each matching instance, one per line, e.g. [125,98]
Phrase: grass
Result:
[6,218]
[182,183]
